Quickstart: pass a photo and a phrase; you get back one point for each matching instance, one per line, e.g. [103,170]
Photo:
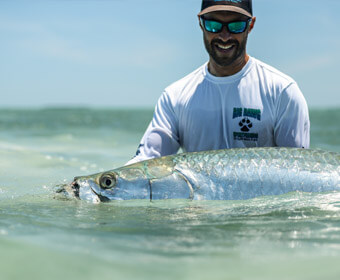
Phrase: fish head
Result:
[122,184]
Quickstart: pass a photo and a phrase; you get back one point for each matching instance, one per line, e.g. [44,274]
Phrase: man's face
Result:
[224,47]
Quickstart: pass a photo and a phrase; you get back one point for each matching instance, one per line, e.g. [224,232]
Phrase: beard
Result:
[225,60]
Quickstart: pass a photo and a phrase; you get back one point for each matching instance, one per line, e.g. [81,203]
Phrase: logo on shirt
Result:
[245,125]
[247,117]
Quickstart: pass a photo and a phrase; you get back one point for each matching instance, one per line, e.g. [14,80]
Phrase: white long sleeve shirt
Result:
[257,107]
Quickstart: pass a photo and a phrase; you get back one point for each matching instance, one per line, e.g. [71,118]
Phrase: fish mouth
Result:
[68,190]
[100,197]
[76,190]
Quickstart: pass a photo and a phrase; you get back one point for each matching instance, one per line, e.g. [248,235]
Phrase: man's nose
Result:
[224,34]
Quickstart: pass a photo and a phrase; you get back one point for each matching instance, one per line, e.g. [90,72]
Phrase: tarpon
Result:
[231,174]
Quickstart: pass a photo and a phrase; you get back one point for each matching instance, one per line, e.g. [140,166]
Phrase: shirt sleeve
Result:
[292,127]
[161,137]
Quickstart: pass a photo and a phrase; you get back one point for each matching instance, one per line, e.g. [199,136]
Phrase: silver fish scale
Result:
[281,157]
[217,175]
[247,173]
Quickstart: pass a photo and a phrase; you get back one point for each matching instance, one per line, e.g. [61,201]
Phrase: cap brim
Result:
[217,8]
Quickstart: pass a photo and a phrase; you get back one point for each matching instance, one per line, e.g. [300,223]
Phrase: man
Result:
[233,101]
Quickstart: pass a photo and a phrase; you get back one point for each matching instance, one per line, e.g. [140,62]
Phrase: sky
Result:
[123,53]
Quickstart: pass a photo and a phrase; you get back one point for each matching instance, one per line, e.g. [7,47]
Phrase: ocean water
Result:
[293,236]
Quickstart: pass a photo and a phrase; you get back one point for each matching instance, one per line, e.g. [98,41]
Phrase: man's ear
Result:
[252,24]
[200,24]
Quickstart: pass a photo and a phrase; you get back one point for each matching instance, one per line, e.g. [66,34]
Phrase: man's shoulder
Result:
[272,73]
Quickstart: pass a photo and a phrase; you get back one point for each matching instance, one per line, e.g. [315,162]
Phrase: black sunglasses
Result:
[234,27]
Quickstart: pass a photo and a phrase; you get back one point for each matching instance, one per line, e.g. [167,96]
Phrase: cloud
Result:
[8,25]
[143,55]
[144,51]
[54,47]
[312,63]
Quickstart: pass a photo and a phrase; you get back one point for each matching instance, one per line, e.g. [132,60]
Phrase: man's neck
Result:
[224,71]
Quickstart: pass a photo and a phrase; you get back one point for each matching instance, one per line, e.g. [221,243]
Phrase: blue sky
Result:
[123,53]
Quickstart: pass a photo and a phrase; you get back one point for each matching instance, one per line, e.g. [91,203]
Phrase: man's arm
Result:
[292,128]
[161,137]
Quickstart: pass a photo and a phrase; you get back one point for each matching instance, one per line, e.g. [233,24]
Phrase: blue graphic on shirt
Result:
[247,112]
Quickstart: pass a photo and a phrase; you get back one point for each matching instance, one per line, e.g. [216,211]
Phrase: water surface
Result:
[293,236]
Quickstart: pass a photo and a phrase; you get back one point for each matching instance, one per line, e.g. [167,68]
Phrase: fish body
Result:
[231,174]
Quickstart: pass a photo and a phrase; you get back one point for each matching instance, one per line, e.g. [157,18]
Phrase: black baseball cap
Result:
[244,7]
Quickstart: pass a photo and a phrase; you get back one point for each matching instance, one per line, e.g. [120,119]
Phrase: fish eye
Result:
[107,181]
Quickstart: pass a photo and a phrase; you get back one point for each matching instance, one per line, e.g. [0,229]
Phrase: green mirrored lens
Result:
[213,26]
[237,26]
[216,27]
